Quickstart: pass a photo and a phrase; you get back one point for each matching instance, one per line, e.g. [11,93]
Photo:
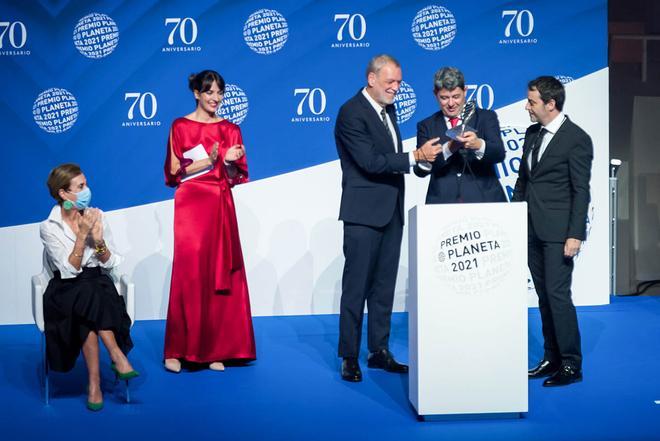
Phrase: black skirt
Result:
[74,307]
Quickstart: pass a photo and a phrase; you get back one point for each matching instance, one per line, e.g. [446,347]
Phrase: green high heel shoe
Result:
[94,407]
[124,375]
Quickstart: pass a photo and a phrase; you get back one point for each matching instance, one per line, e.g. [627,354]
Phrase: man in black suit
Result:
[372,162]
[465,170]
[554,181]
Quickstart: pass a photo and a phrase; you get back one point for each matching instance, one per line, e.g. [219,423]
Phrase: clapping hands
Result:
[214,154]
[234,153]
[90,221]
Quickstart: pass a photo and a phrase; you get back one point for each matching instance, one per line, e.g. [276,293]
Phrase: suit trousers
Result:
[372,261]
[552,274]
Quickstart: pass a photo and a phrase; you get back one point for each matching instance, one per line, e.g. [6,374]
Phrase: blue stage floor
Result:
[293,391]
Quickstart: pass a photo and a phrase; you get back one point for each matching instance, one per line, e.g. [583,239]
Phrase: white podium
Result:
[468,310]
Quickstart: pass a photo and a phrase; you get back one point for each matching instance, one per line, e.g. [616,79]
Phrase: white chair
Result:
[124,286]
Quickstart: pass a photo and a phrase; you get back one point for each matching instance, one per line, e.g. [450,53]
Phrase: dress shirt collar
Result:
[55,217]
[377,107]
[556,123]
[448,123]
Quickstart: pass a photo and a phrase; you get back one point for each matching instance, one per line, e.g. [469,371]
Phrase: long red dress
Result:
[208,317]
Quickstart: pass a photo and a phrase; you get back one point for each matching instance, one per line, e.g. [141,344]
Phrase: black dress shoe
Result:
[544,369]
[383,359]
[350,370]
[564,376]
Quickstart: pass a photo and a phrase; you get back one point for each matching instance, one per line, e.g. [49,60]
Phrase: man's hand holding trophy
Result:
[463,133]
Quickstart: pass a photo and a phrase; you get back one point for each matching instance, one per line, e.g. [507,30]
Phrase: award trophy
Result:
[468,111]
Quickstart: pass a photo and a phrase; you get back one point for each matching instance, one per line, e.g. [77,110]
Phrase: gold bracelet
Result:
[100,248]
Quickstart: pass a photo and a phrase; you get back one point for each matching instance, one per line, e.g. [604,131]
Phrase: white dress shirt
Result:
[59,240]
[378,108]
[551,129]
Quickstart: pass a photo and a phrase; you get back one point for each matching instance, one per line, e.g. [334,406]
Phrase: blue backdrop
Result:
[99,83]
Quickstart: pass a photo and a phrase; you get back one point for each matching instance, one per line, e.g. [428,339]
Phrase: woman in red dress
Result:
[208,319]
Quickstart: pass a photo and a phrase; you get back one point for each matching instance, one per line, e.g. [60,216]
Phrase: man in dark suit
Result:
[372,162]
[465,170]
[554,181]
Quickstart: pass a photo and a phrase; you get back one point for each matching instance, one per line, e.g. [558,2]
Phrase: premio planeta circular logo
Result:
[234,105]
[55,110]
[96,35]
[265,31]
[405,103]
[434,27]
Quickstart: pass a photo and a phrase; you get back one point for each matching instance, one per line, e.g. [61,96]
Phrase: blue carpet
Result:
[293,391]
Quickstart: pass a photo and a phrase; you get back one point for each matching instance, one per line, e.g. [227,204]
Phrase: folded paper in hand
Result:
[196,153]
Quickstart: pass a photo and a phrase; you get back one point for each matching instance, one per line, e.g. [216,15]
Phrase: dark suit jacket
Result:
[372,171]
[557,191]
[482,184]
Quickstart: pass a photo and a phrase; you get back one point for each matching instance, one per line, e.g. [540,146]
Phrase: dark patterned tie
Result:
[537,147]
[383,115]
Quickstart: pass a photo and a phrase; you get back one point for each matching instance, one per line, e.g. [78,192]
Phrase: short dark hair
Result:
[60,178]
[550,88]
[202,81]
[448,78]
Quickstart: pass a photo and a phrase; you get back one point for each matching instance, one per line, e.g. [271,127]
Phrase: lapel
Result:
[56,218]
[556,140]
[439,127]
